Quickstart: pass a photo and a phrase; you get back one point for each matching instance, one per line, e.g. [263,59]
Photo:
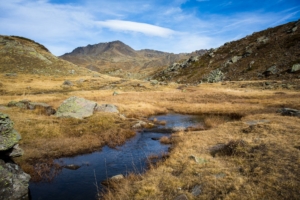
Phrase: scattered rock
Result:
[76,107]
[289,112]
[154,82]
[27,104]
[45,108]
[181,197]
[68,83]
[14,182]
[234,59]
[198,160]
[211,54]
[270,71]
[295,68]
[196,191]
[8,136]
[140,124]
[72,167]
[115,93]
[11,74]
[262,39]
[215,76]
[230,149]
[117,177]
[16,151]
[107,108]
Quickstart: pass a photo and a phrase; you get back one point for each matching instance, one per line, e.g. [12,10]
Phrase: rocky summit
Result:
[118,59]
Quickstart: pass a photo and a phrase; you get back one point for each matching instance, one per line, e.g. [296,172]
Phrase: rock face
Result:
[76,107]
[13,181]
[107,108]
[8,136]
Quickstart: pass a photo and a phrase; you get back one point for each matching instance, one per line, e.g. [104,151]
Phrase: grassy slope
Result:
[281,49]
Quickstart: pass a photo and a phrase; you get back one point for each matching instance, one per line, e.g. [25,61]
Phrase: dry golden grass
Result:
[266,166]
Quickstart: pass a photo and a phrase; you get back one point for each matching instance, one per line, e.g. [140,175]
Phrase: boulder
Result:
[153,82]
[295,68]
[234,59]
[14,182]
[67,82]
[270,71]
[140,124]
[107,108]
[262,39]
[289,112]
[215,76]
[47,109]
[76,107]
[27,104]
[16,151]
[8,136]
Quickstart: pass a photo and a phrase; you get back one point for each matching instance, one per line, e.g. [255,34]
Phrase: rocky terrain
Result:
[269,54]
[118,59]
[24,56]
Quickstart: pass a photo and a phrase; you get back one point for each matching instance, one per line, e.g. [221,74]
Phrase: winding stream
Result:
[130,157]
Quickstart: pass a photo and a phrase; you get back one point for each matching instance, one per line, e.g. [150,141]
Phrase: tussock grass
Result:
[266,166]
[261,164]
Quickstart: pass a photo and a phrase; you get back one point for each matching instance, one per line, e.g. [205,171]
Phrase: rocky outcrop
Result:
[215,76]
[14,181]
[27,104]
[76,107]
[8,136]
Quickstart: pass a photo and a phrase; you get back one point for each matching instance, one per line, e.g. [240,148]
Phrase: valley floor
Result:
[256,156]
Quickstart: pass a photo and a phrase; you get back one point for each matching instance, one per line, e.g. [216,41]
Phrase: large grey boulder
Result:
[14,182]
[76,107]
[295,68]
[8,136]
[107,108]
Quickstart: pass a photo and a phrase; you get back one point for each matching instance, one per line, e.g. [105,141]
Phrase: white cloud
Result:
[144,28]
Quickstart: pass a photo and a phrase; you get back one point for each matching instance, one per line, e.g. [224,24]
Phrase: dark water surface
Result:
[131,157]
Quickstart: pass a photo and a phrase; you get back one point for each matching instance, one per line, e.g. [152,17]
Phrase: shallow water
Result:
[131,157]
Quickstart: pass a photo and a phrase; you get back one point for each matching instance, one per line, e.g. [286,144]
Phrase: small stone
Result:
[196,191]
[181,197]
[295,68]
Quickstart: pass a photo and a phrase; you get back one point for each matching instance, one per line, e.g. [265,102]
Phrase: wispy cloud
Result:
[144,28]
[156,24]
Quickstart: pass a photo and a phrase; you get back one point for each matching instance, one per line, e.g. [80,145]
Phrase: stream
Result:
[98,166]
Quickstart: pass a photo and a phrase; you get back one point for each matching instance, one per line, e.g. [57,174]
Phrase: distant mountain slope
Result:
[116,57]
[270,54]
[22,55]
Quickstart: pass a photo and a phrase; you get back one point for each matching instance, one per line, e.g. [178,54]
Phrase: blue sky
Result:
[176,26]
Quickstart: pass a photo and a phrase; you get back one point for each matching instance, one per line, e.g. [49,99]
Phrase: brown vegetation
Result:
[267,162]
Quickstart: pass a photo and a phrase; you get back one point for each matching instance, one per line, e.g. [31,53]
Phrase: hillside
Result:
[269,54]
[115,58]
[25,56]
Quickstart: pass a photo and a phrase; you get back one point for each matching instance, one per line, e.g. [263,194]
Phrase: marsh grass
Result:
[267,167]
